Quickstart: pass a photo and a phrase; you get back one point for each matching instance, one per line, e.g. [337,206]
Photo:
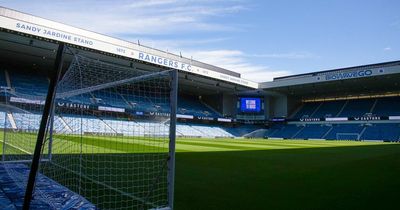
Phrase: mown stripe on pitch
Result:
[199,148]
[291,141]
[121,146]
[315,143]
[279,144]
[246,144]
[59,148]
[231,145]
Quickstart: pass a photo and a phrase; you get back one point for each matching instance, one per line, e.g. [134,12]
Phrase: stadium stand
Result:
[386,131]
[389,106]
[306,110]
[344,128]
[33,85]
[350,108]
[286,132]
[193,106]
[329,109]
[28,84]
[356,108]
[314,131]
[3,82]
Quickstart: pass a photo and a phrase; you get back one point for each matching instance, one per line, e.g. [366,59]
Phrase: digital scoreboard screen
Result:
[250,104]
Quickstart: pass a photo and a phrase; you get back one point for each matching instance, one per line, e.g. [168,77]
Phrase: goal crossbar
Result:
[112,84]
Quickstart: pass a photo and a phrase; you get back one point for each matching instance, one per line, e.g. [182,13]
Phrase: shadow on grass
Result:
[351,177]
[355,177]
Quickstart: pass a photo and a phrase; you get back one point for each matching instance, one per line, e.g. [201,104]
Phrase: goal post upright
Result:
[43,124]
[51,127]
[172,137]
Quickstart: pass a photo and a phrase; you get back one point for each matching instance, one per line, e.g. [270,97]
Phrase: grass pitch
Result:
[289,174]
[272,174]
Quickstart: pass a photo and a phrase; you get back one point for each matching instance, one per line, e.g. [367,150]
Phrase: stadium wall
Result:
[229,104]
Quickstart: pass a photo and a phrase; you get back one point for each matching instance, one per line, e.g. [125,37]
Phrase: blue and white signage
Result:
[348,75]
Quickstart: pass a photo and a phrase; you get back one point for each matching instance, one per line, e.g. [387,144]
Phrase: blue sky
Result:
[260,39]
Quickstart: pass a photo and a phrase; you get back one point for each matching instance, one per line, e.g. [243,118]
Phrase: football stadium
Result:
[89,121]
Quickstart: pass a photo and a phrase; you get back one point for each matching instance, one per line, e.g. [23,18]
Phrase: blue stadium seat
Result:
[384,131]
[357,108]
[307,110]
[329,109]
[287,131]
[350,129]
[34,85]
[312,132]
[193,106]
[387,107]
[3,82]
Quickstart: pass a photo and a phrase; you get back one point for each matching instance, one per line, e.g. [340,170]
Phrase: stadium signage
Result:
[224,120]
[310,119]
[341,119]
[278,119]
[159,114]
[41,102]
[73,105]
[369,118]
[26,101]
[164,62]
[394,117]
[139,113]
[66,37]
[348,75]
[24,23]
[335,119]
[184,116]
[190,68]
[205,118]
[111,109]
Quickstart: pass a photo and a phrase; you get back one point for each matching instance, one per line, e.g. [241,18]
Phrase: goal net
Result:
[347,136]
[108,137]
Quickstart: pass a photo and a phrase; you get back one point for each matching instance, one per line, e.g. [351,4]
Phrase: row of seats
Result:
[376,131]
[34,85]
[350,108]
[75,125]
[242,130]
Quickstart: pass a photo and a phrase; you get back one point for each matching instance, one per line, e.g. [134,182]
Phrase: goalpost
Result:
[348,136]
[105,137]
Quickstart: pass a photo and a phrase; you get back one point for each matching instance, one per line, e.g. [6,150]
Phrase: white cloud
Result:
[291,55]
[387,49]
[151,3]
[145,17]
[177,45]
[236,60]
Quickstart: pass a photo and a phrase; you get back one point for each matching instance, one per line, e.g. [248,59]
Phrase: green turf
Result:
[259,174]
[358,176]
